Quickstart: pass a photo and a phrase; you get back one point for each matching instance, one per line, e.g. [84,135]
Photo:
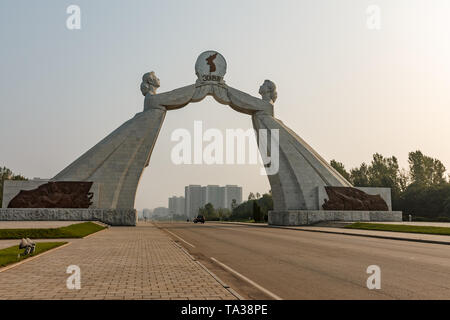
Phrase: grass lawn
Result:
[400,228]
[9,255]
[78,230]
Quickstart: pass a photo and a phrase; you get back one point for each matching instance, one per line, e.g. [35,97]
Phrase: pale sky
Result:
[347,90]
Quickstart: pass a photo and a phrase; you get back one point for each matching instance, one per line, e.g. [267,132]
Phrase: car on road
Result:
[199,218]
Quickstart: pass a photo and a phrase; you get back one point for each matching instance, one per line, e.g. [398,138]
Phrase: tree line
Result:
[214,214]
[256,208]
[422,191]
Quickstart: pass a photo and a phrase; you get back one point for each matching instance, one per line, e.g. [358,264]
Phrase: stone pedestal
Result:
[309,217]
[113,217]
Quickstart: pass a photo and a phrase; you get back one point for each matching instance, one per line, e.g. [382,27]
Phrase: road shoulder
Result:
[401,236]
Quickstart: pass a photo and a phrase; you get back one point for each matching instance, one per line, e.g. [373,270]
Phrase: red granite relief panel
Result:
[58,194]
[352,199]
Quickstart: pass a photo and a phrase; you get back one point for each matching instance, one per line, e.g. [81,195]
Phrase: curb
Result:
[344,233]
[32,258]
[92,234]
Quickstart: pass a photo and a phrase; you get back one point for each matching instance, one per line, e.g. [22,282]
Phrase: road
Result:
[292,264]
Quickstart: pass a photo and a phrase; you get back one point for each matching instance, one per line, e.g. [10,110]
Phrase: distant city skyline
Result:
[197,196]
[177,205]
[218,196]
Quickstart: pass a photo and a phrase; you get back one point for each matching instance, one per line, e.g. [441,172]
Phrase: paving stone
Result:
[122,262]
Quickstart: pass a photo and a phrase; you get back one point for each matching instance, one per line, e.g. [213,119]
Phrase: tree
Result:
[251,196]
[426,202]
[381,172]
[425,170]
[224,214]
[447,206]
[359,177]
[257,214]
[233,204]
[339,167]
[7,174]
[258,195]
[209,212]
[385,172]
[404,179]
[245,209]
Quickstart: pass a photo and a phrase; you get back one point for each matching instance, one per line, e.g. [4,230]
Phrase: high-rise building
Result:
[177,205]
[203,196]
[194,199]
[172,205]
[214,195]
[160,212]
[197,196]
[232,192]
[146,214]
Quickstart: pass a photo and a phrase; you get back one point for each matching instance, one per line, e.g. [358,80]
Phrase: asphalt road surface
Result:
[271,263]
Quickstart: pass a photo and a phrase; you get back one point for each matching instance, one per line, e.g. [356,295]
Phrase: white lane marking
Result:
[247,280]
[180,239]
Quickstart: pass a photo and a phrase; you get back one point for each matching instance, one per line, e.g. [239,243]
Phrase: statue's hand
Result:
[171,100]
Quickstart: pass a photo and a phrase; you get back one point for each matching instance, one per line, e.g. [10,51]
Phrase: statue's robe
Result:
[116,163]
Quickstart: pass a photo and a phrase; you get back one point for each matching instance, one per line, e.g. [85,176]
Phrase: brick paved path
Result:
[119,263]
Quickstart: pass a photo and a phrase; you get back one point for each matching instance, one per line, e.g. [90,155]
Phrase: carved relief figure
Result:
[352,199]
[59,194]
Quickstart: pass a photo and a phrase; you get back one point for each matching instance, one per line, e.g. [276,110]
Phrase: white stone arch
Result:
[116,163]
[299,186]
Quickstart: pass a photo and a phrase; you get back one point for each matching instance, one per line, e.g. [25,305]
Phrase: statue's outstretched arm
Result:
[245,103]
[171,100]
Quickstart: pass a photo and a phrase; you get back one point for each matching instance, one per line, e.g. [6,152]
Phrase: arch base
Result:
[112,217]
[311,217]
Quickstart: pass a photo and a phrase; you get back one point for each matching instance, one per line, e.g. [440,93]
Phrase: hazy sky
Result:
[347,90]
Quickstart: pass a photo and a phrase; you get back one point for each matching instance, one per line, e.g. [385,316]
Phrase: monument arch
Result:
[303,187]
